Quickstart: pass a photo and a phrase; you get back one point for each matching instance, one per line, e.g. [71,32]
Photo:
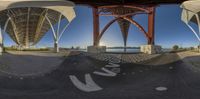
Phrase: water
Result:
[122,50]
[132,50]
[166,50]
[127,50]
[118,50]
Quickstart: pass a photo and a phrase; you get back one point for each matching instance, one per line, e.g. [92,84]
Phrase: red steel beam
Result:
[106,27]
[129,14]
[151,25]
[127,6]
[148,10]
[137,25]
[95,26]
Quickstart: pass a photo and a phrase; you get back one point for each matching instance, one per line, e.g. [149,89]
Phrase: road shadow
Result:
[133,81]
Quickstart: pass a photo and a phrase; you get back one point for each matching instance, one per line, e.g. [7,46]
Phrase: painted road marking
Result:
[161,88]
[115,61]
[170,67]
[105,73]
[90,85]
[116,70]
[112,65]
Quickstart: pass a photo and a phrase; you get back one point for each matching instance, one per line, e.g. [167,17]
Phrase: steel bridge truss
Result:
[26,26]
[123,15]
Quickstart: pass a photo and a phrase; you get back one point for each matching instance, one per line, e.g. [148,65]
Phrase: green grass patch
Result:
[27,49]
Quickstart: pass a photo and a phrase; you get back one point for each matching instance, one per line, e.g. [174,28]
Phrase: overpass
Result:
[27,21]
[123,12]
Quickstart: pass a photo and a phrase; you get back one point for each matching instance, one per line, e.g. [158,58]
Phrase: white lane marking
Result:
[114,61]
[106,73]
[21,78]
[170,67]
[116,70]
[161,88]
[88,87]
[112,65]
[123,73]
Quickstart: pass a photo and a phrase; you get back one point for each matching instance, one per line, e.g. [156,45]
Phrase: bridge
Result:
[123,12]
[87,75]
[27,21]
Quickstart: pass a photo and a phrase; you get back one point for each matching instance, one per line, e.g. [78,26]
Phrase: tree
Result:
[191,48]
[175,47]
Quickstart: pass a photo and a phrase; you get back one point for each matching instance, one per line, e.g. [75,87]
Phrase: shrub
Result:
[175,47]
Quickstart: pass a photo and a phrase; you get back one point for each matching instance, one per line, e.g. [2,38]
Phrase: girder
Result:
[27,29]
[39,25]
[29,24]
[123,15]
[124,27]
[14,27]
[123,2]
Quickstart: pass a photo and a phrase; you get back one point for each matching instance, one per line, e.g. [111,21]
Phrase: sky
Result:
[169,30]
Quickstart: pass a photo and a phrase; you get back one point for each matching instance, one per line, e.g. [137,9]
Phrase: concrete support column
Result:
[150,49]
[57,33]
[56,47]
[96,49]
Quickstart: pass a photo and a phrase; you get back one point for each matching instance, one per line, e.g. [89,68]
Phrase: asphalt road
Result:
[135,81]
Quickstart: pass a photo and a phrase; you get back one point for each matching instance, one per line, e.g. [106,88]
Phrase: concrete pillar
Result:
[96,49]
[56,47]
[151,49]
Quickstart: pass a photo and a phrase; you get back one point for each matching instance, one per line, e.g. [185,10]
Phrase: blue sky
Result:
[169,30]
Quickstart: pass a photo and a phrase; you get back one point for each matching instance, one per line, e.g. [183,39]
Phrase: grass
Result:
[28,49]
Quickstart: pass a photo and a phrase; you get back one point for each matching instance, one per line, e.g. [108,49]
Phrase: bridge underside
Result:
[26,22]
[26,26]
[124,2]
[123,11]
[123,14]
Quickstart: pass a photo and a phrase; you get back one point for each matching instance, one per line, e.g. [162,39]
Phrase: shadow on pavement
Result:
[135,81]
